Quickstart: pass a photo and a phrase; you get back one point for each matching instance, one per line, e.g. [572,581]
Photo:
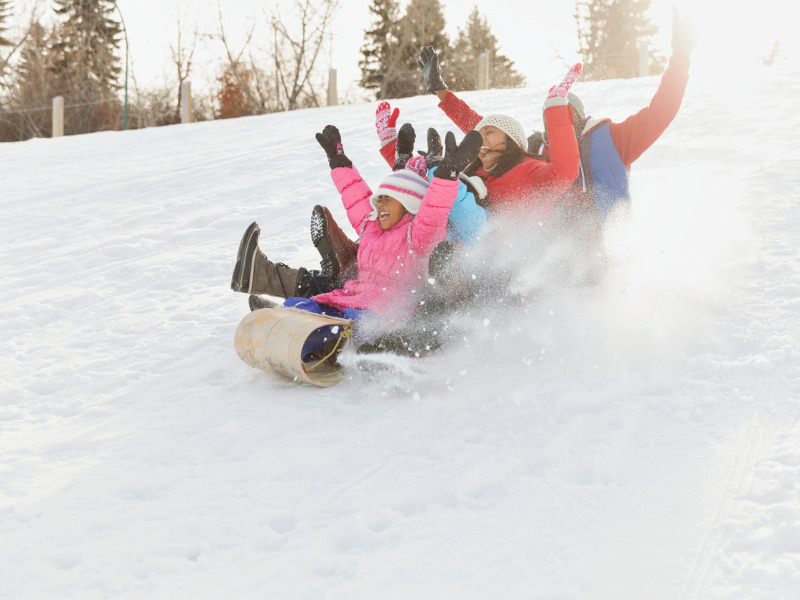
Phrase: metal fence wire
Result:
[48,108]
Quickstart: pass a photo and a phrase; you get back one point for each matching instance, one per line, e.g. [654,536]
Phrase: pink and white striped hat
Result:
[405,186]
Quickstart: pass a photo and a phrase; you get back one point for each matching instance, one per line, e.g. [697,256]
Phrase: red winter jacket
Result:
[630,139]
[638,132]
[533,183]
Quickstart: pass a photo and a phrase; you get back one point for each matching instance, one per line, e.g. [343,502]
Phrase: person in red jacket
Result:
[607,149]
[515,179]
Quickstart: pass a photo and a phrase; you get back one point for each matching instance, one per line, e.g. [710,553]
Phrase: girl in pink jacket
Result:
[399,226]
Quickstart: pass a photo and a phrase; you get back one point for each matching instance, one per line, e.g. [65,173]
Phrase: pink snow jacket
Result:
[392,264]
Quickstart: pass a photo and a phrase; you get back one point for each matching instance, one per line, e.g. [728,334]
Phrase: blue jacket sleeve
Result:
[467,222]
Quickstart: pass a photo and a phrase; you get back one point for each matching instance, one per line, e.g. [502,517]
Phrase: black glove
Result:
[433,155]
[405,146]
[684,36]
[331,142]
[458,158]
[429,63]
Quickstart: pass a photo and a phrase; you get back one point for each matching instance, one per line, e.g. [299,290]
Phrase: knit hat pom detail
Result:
[419,165]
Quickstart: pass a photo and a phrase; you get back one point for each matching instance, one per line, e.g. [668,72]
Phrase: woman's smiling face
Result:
[494,144]
[390,211]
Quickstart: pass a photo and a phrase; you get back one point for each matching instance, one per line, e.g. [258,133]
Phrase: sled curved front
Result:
[271,339]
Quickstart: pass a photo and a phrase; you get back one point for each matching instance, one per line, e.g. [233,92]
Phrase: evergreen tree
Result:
[422,25]
[5,13]
[474,39]
[610,32]
[33,86]
[86,63]
[380,52]
[35,79]
[89,40]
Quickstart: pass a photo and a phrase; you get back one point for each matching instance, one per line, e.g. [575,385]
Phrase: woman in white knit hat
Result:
[514,178]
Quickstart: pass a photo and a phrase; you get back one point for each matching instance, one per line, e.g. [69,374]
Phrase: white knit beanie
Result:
[405,186]
[508,125]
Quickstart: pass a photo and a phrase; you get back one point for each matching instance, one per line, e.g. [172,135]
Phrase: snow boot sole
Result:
[244,258]
[257,303]
[338,252]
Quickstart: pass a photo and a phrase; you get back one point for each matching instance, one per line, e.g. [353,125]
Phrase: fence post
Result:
[333,94]
[58,116]
[483,71]
[186,102]
[644,59]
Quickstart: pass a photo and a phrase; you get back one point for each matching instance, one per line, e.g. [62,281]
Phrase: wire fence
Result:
[49,108]
[472,75]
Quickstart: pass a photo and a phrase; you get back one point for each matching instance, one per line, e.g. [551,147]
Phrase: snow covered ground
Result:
[636,440]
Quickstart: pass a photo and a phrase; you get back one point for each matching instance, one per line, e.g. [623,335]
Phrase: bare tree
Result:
[154,106]
[296,48]
[150,107]
[281,76]
[236,69]
[182,56]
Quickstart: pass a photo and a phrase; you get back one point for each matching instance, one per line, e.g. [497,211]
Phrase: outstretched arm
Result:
[638,132]
[354,190]
[564,157]
[459,112]
[455,108]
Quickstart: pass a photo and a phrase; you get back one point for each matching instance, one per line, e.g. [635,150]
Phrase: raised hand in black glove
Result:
[457,158]
[405,146]
[433,155]
[331,142]
[429,63]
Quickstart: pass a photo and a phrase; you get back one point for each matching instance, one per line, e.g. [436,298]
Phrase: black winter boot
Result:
[311,283]
[256,274]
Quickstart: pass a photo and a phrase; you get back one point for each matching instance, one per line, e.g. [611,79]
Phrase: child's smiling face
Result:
[390,211]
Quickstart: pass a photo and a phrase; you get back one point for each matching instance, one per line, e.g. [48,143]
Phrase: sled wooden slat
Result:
[271,339]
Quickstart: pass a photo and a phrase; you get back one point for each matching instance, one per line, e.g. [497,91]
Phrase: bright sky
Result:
[532,33]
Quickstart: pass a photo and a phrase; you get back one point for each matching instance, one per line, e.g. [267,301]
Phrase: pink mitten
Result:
[558,93]
[385,123]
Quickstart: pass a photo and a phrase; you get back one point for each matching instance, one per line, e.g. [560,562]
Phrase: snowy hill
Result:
[636,440]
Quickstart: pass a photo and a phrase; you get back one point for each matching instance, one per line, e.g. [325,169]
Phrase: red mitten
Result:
[385,123]
[558,93]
